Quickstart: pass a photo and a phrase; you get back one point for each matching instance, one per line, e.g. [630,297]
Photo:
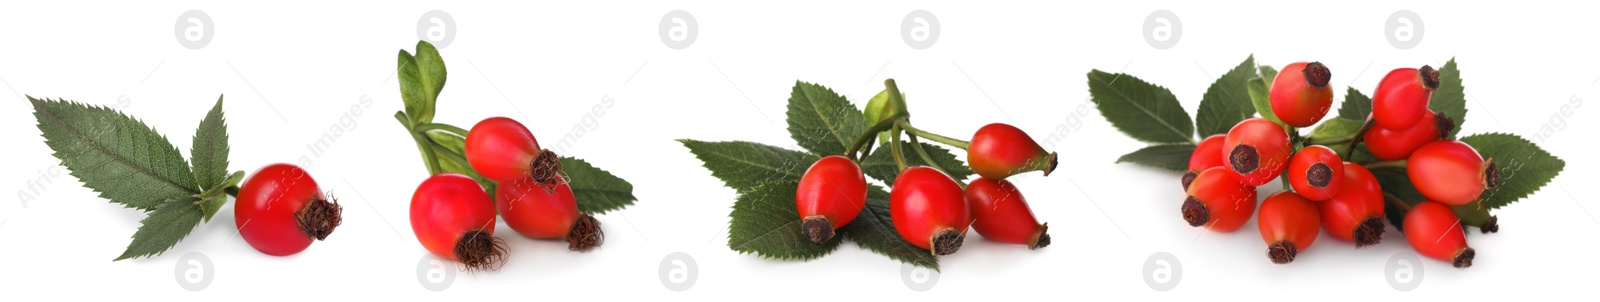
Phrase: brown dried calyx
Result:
[1491,226]
[1195,212]
[947,241]
[1282,252]
[817,228]
[1052,165]
[546,168]
[1040,239]
[477,250]
[1430,77]
[1491,174]
[1370,232]
[1445,124]
[319,217]
[585,234]
[1319,175]
[1317,74]
[1464,257]
[1244,159]
[1188,178]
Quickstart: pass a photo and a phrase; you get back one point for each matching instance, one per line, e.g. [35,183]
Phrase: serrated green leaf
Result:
[596,190]
[1268,74]
[212,200]
[766,222]
[1451,98]
[1259,98]
[114,154]
[822,121]
[1141,110]
[1524,168]
[209,153]
[422,78]
[1173,157]
[874,230]
[1356,106]
[1227,101]
[164,228]
[880,165]
[745,165]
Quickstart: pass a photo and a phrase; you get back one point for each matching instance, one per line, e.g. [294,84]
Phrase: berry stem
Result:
[872,133]
[917,146]
[443,127]
[1400,203]
[1350,151]
[1387,164]
[896,98]
[960,144]
[422,143]
[894,148]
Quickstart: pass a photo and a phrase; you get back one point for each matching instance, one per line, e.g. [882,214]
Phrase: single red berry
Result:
[1356,214]
[1451,172]
[1388,144]
[1257,149]
[929,210]
[454,219]
[547,211]
[503,150]
[1000,150]
[1434,231]
[1316,172]
[1208,154]
[1402,97]
[1288,224]
[831,194]
[1300,93]
[1219,201]
[1001,214]
[279,210]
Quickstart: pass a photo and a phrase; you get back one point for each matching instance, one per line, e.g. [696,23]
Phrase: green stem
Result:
[921,152]
[894,148]
[232,191]
[445,127]
[1356,139]
[422,143]
[872,133]
[1387,164]
[1330,141]
[1400,203]
[895,97]
[451,155]
[960,144]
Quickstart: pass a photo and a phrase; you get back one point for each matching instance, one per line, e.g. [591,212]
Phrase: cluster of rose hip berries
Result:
[454,217]
[1344,198]
[930,209]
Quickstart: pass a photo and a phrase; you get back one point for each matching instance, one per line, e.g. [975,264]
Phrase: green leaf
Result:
[212,200]
[1451,98]
[1139,109]
[1524,168]
[1227,101]
[114,154]
[1268,74]
[210,151]
[1336,128]
[745,165]
[766,222]
[1395,182]
[597,191]
[874,230]
[1258,97]
[1356,106]
[880,165]
[822,121]
[165,226]
[1173,157]
[421,80]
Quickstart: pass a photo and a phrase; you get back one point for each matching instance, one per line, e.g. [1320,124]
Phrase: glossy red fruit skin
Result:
[1208,154]
[1219,201]
[266,206]
[1300,94]
[1388,144]
[1000,213]
[1270,155]
[501,149]
[834,189]
[537,211]
[999,150]
[1449,172]
[1360,201]
[1313,166]
[1288,217]
[925,202]
[1402,97]
[1434,231]
[446,206]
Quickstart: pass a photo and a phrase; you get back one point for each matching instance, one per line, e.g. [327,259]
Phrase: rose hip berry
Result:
[1388,144]
[1434,231]
[503,150]
[1208,154]
[1288,224]
[279,210]
[1219,201]
[1300,94]
[1356,214]
[831,194]
[999,150]
[454,219]
[1451,172]
[1257,149]
[1001,214]
[929,210]
[1402,97]
[547,211]
[1316,172]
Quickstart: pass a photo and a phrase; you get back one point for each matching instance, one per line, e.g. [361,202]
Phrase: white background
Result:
[291,70]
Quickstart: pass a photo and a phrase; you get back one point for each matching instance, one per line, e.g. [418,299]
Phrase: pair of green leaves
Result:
[131,164]
[443,147]
[765,220]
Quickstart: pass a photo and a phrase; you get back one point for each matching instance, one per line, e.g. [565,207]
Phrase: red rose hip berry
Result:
[999,150]
[1434,231]
[1316,172]
[279,210]
[454,219]
[1208,154]
[1451,172]
[929,210]
[503,150]
[831,194]
[1219,201]
[547,211]
[1257,149]
[1356,214]
[1289,224]
[1300,94]
[1001,214]
[1402,97]
[1388,144]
